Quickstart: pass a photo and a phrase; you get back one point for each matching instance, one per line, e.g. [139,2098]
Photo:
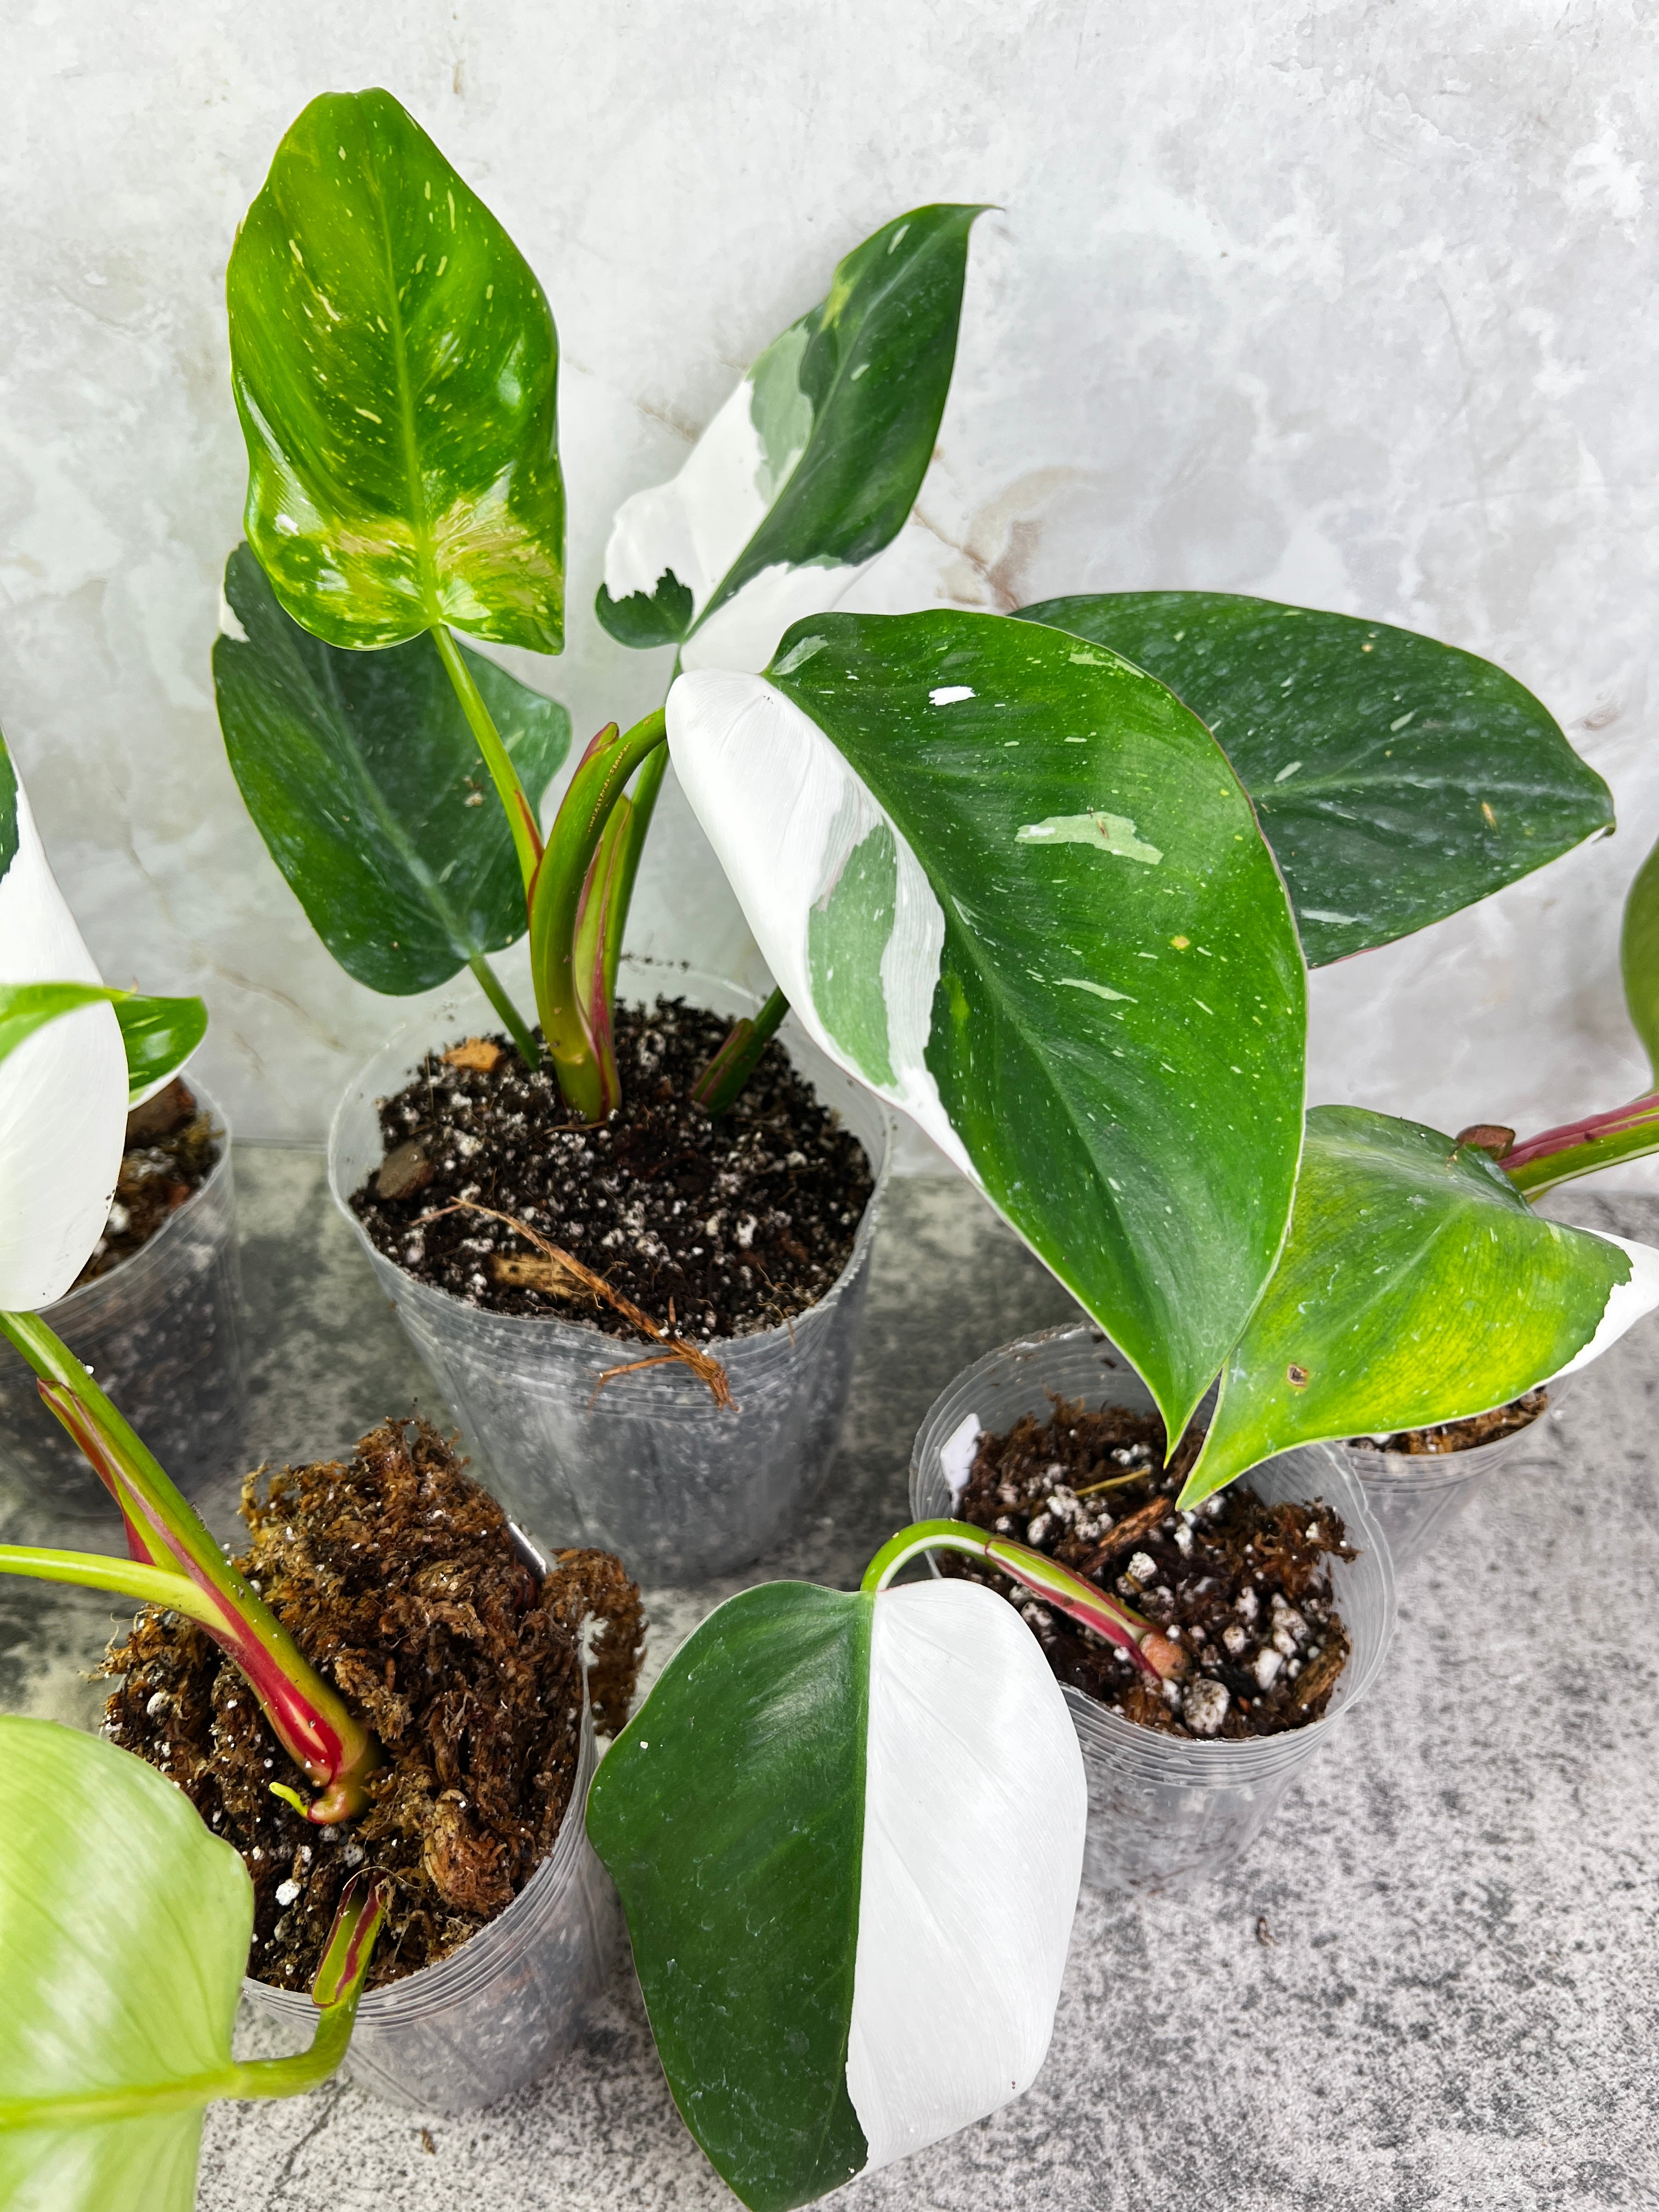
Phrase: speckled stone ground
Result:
[1432,1985]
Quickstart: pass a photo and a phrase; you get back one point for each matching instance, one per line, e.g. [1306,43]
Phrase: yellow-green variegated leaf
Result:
[396,371]
[800,1819]
[63,1088]
[1011,882]
[812,466]
[124,1935]
[1417,1285]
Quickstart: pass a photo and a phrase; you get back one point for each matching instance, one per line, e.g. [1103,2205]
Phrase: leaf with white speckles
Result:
[1044,922]
[1397,779]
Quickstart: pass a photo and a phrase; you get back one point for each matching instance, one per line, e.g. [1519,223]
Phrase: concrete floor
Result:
[1432,1984]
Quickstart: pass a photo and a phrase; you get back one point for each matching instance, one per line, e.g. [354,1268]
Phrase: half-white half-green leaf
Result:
[1010,882]
[63,1090]
[800,1819]
[811,467]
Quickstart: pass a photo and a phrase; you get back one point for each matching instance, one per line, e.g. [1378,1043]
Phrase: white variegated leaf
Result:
[800,1819]
[62,1091]
[1008,881]
[808,470]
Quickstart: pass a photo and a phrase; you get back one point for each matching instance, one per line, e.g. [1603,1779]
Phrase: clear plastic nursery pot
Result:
[502,2010]
[648,1466]
[1415,1498]
[1163,1811]
[160,1335]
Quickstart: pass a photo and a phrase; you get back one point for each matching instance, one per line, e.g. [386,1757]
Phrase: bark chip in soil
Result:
[713,1228]
[397,1575]
[1243,1586]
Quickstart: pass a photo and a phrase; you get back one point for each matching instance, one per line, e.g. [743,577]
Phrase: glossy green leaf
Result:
[396,371]
[1638,956]
[812,466]
[365,781]
[1397,779]
[1416,1286]
[1011,882]
[799,1819]
[734,1802]
[158,1035]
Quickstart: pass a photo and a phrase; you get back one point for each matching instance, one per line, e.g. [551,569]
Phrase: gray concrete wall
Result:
[1347,303]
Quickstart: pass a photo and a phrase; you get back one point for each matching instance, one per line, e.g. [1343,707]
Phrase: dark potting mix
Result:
[172,1148]
[712,1228]
[1243,1586]
[397,1575]
[1461,1436]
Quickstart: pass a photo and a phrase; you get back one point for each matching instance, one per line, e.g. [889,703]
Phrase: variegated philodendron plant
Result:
[1049,882]
[125,1925]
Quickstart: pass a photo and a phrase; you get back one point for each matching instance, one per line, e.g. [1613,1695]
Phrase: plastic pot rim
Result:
[531,1327]
[1219,1762]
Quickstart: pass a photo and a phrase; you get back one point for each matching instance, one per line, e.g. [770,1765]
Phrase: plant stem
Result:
[644,804]
[336,1992]
[1579,1148]
[495,991]
[720,1086]
[1140,1638]
[556,899]
[526,839]
[170,1539]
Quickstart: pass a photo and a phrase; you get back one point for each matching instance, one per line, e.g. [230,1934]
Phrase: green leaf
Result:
[158,1035]
[364,779]
[799,1819]
[1397,779]
[1012,883]
[8,810]
[732,1805]
[1638,956]
[123,1937]
[812,466]
[1416,1286]
[396,371]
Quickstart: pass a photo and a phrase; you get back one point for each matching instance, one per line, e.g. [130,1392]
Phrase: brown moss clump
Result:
[397,1574]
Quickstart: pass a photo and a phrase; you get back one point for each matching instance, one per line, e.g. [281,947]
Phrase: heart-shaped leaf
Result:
[364,779]
[1417,1285]
[396,371]
[1397,779]
[63,1087]
[800,1819]
[124,1935]
[1011,882]
[811,467]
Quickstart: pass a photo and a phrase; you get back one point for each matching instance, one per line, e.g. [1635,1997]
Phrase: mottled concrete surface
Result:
[1431,1984]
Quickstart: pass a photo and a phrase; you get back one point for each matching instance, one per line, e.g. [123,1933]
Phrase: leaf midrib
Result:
[416,487]
[397,836]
